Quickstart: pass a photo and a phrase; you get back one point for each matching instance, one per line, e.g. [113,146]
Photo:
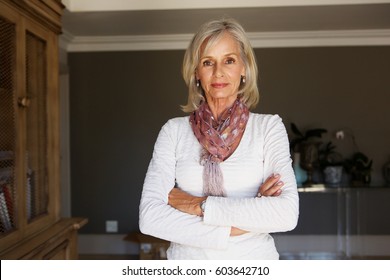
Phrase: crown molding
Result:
[377,37]
[324,38]
[65,40]
[134,5]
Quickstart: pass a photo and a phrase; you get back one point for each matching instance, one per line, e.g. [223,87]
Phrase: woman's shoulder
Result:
[175,125]
[177,122]
[268,124]
[265,118]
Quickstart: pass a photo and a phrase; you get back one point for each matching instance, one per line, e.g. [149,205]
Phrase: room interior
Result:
[322,64]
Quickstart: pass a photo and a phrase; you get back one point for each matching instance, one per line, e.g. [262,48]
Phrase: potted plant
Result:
[305,152]
[359,166]
[300,138]
[331,164]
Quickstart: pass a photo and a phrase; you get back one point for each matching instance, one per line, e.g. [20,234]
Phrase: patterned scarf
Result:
[219,139]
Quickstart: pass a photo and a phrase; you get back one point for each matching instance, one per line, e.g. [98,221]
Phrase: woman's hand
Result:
[185,202]
[237,231]
[271,187]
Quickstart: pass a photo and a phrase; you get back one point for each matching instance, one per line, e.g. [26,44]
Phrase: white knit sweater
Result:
[263,150]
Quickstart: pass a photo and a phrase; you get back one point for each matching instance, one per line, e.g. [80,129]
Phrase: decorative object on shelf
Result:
[307,145]
[309,160]
[331,164]
[360,167]
[300,174]
[300,138]
[386,173]
[333,175]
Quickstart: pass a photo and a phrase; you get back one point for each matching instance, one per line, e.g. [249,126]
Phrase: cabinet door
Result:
[29,149]
[40,114]
[38,111]
[8,125]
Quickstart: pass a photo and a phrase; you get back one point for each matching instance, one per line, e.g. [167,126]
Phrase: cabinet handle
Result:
[24,102]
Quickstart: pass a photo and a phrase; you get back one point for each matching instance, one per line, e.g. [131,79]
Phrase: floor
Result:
[108,257]
[282,257]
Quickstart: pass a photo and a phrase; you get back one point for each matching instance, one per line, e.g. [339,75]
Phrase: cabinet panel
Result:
[344,211]
[37,192]
[318,214]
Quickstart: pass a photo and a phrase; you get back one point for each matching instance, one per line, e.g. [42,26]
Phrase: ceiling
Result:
[96,21]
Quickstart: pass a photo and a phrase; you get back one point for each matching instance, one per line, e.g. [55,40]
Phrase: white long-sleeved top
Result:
[263,150]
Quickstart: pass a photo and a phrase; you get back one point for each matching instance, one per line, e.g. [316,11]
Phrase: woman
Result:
[231,168]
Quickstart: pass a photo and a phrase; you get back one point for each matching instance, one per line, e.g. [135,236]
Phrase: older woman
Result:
[231,168]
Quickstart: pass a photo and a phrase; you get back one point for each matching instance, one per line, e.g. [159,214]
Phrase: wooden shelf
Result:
[55,242]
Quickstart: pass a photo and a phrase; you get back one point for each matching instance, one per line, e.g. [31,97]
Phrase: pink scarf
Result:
[219,139]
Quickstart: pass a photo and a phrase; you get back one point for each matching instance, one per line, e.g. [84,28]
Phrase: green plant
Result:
[301,137]
[328,156]
[359,166]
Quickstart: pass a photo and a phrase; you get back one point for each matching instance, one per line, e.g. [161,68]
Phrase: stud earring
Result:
[243,80]
[197,83]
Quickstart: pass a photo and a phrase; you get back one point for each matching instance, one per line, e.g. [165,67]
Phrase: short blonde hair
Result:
[212,31]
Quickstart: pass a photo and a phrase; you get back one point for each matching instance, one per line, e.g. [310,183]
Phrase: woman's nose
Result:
[218,71]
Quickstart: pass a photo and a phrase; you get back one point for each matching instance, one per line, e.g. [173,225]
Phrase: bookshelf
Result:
[30,222]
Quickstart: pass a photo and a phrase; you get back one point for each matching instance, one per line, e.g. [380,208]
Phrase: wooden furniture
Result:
[30,224]
[150,247]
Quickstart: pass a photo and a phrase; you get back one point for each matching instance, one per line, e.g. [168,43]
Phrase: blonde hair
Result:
[212,31]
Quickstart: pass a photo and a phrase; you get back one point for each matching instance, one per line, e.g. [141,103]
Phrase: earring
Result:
[243,80]
[197,83]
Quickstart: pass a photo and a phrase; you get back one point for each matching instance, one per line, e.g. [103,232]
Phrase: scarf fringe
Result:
[213,179]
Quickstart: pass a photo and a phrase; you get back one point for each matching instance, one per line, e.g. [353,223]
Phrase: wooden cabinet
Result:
[29,133]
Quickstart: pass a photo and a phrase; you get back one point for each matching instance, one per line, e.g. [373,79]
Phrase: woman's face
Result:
[220,69]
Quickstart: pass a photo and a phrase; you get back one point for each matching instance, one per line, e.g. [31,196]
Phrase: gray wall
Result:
[119,101]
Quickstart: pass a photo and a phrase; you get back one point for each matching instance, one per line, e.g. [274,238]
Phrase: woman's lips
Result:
[219,85]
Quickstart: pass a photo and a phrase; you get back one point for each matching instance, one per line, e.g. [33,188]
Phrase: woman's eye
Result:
[230,61]
[207,63]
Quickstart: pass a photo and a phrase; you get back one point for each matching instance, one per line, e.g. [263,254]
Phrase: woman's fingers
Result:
[271,180]
[271,187]
[275,190]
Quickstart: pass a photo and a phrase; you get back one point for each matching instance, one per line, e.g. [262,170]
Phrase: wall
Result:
[119,101]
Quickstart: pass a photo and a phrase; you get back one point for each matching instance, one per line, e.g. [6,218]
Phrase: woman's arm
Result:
[265,214]
[159,219]
[275,210]
[190,204]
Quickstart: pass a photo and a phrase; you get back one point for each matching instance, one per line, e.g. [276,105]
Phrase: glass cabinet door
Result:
[7,126]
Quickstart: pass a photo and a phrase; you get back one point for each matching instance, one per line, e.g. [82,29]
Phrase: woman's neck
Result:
[219,105]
